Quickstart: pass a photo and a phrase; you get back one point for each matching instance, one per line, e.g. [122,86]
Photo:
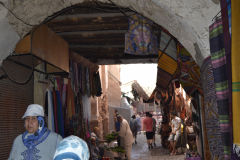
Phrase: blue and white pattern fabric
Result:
[72,147]
[31,140]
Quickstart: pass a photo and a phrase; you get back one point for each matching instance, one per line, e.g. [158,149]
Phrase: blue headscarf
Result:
[72,147]
[32,140]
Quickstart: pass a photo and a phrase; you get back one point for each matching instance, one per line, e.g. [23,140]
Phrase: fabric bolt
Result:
[87,82]
[70,102]
[83,71]
[226,20]
[50,110]
[140,38]
[55,111]
[211,119]
[219,64]
[76,80]
[60,117]
[80,77]
[64,92]
[235,8]
[229,16]
[71,74]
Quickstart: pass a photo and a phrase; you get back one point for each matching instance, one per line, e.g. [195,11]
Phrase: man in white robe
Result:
[126,137]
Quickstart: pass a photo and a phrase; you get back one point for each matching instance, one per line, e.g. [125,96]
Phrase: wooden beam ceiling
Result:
[97,32]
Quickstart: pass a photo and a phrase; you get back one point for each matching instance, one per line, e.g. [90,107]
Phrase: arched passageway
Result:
[181,25]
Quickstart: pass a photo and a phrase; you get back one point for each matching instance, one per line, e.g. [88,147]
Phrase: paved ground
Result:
[140,151]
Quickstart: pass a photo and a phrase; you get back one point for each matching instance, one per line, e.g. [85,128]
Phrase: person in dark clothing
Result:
[154,128]
[134,127]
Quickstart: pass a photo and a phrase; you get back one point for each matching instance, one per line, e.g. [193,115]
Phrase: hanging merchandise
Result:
[70,111]
[60,117]
[211,118]
[96,85]
[218,58]
[190,72]
[55,111]
[167,67]
[140,38]
[87,82]
[49,107]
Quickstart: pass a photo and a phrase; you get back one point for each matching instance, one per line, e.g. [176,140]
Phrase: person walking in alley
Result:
[154,128]
[176,132]
[37,142]
[134,127]
[148,128]
[126,136]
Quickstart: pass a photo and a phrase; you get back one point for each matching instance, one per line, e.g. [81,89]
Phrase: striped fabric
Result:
[211,118]
[167,67]
[235,8]
[218,58]
[167,63]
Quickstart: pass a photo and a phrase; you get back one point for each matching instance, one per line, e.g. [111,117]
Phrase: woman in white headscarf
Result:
[37,142]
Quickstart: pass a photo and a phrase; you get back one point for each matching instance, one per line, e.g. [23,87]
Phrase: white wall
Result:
[8,37]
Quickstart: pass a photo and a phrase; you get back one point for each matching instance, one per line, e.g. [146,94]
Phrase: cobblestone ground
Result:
[140,150]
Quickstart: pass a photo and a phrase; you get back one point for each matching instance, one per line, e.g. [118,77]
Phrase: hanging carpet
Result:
[218,59]
[167,67]
[140,38]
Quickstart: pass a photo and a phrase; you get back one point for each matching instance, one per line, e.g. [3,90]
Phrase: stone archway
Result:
[188,21]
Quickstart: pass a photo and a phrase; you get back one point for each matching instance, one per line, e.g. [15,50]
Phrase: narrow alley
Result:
[140,150]
[80,79]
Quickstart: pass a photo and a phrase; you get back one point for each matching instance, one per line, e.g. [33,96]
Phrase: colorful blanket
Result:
[218,59]
[140,38]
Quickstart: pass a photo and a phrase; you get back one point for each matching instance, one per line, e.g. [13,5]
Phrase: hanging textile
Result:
[87,83]
[229,16]
[235,6]
[218,58]
[140,38]
[55,111]
[70,102]
[97,87]
[49,104]
[80,77]
[60,117]
[190,71]
[211,111]
[167,67]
